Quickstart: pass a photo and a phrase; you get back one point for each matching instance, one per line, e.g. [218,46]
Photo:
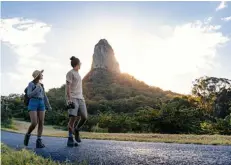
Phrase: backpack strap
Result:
[25,90]
[43,87]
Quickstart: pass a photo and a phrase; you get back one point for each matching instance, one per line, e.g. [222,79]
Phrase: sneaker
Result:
[77,137]
[76,144]
[70,142]
[26,139]
[39,143]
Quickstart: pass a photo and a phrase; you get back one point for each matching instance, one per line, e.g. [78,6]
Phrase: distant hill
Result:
[102,84]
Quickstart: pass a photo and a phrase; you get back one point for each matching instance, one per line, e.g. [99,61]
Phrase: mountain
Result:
[104,57]
[105,83]
[105,88]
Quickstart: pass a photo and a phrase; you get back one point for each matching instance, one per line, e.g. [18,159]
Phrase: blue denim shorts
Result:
[36,105]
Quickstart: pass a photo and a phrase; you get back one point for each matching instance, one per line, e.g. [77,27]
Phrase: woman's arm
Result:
[46,101]
[32,89]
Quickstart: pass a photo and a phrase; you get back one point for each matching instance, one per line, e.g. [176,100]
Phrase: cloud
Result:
[208,20]
[227,19]
[221,6]
[25,37]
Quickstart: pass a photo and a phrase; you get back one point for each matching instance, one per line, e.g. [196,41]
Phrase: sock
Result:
[70,134]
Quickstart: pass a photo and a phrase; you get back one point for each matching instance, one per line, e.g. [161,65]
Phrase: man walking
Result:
[75,101]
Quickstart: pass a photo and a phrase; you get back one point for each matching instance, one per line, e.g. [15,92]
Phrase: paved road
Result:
[104,152]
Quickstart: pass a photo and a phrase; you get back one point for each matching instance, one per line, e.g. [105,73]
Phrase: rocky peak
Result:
[104,57]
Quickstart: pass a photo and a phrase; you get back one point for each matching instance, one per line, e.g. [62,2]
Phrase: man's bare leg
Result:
[83,119]
[71,124]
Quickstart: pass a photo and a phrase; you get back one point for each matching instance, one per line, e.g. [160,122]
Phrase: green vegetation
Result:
[24,157]
[6,116]
[21,127]
[118,103]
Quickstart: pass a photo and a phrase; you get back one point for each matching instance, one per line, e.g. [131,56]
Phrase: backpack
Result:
[26,98]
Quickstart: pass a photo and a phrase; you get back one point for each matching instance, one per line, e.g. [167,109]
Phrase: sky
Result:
[164,44]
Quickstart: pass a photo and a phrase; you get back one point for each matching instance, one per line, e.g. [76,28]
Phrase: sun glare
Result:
[157,59]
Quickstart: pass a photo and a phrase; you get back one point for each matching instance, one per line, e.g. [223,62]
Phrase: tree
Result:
[223,104]
[6,113]
[207,90]
[179,115]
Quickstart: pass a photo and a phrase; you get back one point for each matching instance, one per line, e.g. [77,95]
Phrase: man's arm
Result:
[68,91]
[69,78]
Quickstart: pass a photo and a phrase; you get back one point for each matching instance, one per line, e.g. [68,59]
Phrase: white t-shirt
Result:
[75,81]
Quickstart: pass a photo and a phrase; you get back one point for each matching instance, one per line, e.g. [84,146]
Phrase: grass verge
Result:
[25,157]
[21,127]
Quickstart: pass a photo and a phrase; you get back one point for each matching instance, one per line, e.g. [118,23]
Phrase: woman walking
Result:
[38,103]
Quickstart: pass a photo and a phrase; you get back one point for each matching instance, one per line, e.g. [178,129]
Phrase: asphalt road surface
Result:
[106,152]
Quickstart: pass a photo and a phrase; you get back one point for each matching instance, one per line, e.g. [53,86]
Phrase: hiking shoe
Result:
[26,139]
[70,142]
[39,143]
[76,144]
[77,137]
